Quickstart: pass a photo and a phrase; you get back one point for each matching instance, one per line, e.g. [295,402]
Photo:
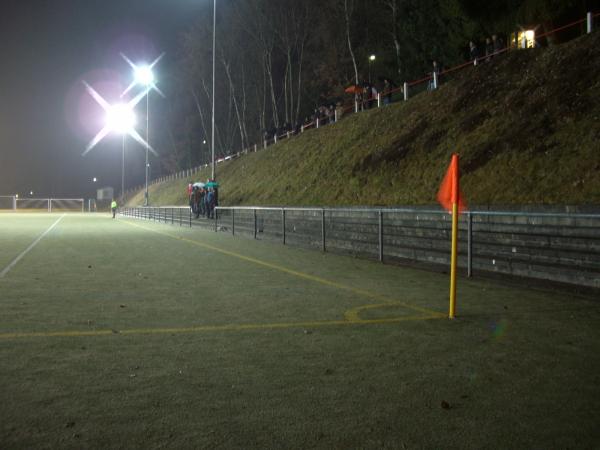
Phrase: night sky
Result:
[46,117]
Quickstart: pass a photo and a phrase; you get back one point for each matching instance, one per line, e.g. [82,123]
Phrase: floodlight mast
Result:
[212,137]
[143,76]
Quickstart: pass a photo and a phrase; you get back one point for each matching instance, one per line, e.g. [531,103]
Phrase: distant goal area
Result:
[13,203]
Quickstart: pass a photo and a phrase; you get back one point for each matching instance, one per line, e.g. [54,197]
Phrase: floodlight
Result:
[120,119]
[372,58]
[144,76]
[529,35]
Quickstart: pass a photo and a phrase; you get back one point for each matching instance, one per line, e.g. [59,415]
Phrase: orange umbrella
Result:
[354,89]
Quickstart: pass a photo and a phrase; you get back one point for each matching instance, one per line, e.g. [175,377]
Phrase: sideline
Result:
[306,276]
[33,244]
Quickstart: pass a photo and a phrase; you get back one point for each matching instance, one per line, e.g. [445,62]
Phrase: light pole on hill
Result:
[371,60]
[213,172]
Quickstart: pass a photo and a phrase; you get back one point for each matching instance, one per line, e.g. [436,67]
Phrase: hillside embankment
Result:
[526,126]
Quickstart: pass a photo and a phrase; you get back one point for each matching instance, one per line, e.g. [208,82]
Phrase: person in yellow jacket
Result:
[113,207]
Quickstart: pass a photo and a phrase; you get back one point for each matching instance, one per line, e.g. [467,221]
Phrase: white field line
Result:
[33,244]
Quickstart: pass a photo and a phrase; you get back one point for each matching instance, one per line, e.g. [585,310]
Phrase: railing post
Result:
[190,216]
[469,244]
[380,233]
[255,148]
[355,105]
[301,128]
[589,22]
[283,225]
[216,211]
[254,210]
[317,122]
[265,143]
[233,222]
[335,115]
[323,229]
[405,89]
[379,99]
[172,216]
[435,80]
[180,218]
[275,138]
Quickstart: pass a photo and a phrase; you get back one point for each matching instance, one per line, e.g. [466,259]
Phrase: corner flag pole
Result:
[451,200]
[453,257]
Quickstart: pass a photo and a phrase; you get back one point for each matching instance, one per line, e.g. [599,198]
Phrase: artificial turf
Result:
[130,334]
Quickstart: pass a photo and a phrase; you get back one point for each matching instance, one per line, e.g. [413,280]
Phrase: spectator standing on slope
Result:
[497,43]
[113,207]
[473,52]
[489,49]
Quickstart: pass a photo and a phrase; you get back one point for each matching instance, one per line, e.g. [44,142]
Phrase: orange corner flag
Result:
[449,192]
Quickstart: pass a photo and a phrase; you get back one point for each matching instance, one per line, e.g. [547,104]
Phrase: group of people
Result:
[366,93]
[492,45]
[203,199]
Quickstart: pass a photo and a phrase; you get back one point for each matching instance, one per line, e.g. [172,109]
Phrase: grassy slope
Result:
[525,125]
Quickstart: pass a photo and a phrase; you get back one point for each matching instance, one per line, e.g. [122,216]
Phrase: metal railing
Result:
[545,245]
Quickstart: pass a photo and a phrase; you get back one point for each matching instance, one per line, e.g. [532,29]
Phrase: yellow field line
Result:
[209,328]
[306,276]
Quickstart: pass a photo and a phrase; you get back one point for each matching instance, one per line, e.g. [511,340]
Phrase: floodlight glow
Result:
[121,119]
[372,58]
[144,76]
[94,179]
[529,35]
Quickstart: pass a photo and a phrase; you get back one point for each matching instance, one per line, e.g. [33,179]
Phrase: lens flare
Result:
[499,328]
[120,118]
[143,75]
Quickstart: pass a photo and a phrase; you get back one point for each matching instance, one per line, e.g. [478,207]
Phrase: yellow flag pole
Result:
[453,258]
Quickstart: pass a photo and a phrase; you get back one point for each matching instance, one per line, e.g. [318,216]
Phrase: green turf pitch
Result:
[131,334]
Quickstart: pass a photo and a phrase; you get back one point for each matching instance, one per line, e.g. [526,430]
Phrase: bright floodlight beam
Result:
[143,75]
[119,119]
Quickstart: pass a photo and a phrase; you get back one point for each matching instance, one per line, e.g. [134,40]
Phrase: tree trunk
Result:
[347,15]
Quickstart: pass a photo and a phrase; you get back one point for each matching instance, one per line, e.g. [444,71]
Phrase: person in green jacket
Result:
[113,207]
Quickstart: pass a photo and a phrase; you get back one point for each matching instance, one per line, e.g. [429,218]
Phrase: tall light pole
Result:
[371,59]
[213,173]
[143,76]
[123,171]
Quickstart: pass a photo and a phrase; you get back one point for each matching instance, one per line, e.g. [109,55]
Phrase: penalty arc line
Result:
[28,249]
